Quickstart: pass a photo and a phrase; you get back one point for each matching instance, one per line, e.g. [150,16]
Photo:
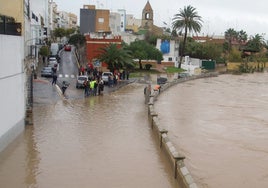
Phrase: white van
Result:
[105,76]
[54,48]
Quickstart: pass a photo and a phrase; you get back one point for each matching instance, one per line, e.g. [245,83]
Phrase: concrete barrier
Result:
[181,173]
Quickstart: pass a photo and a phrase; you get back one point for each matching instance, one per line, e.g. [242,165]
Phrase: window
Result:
[101,20]
[170,59]
[147,16]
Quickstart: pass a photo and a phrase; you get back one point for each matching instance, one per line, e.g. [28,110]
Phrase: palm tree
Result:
[188,20]
[256,43]
[230,35]
[242,37]
[115,57]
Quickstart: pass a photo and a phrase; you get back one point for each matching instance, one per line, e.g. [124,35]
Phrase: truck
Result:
[54,48]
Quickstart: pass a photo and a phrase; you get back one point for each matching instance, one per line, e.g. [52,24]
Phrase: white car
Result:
[52,59]
[80,81]
[105,76]
[46,72]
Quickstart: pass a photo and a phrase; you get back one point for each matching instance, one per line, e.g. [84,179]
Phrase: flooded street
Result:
[102,141]
[221,125]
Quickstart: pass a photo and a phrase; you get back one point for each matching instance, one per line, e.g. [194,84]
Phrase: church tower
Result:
[147,17]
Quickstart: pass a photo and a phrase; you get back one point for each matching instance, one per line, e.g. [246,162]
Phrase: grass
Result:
[173,70]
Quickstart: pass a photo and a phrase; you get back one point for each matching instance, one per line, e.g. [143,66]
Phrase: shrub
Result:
[148,66]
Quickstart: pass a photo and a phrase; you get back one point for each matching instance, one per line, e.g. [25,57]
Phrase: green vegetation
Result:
[44,51]
[116,57]
[77,40]
[186,20]
[142,50]
[61,32]
[174,70]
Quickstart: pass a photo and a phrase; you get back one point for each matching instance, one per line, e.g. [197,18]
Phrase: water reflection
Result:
[102,141]
[221,126]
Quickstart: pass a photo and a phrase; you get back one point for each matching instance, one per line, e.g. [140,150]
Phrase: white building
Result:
[170,50]
[122,13]
[114,23]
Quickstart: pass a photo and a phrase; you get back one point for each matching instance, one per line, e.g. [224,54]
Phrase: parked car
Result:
[53,64]
[46,72]
[105,76]
[52,59]
[68,47]
[80,81]
[161,80]
[183,75]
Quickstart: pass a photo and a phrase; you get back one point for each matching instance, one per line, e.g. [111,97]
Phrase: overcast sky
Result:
[217,16]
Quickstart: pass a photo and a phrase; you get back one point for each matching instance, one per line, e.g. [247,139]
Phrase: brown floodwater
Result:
[102,141]
[221,125]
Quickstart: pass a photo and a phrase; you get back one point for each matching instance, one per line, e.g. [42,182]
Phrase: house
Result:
[94,42]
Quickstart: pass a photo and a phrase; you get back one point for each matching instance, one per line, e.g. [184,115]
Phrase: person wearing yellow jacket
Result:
[93,87]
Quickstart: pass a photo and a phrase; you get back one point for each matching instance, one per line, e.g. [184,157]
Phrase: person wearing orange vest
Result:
[157,88]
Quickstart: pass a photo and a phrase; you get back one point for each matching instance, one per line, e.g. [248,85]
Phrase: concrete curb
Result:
[181,173]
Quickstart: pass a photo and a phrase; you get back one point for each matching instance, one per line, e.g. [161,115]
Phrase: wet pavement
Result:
[98,141]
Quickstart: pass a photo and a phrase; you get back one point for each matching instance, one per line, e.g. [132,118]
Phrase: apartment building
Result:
[24,24]
[94,20]
[12,72]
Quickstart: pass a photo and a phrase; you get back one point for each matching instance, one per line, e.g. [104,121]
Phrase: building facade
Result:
[123,21]
[94,43]
[24,24]
[147,22]
[94,20]
[170,51]
[114,22]
[12,72]
[133,24]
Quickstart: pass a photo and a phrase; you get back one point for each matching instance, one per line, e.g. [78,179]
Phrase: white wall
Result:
[173,53]
[12,95]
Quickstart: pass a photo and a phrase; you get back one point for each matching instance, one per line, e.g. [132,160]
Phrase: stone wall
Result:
[181,173]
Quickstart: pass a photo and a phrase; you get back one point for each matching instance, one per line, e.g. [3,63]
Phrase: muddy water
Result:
[221,126]
[102,141]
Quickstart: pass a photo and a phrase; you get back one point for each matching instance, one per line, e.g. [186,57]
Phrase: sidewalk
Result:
[120,84]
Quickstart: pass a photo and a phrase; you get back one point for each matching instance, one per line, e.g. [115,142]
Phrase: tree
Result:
[115,57]
[230,35]
[242,37]
[255,44]
[203,50]
[186,20]
[59,32]
[141,50]
[79,42]
[69,32]
[44,52]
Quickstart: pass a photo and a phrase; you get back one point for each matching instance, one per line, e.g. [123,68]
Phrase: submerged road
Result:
[101,141]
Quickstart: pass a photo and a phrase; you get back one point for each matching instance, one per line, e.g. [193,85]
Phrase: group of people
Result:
[93,87]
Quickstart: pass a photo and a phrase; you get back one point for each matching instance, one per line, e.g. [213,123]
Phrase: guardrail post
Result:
[161,137]
[177,158]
